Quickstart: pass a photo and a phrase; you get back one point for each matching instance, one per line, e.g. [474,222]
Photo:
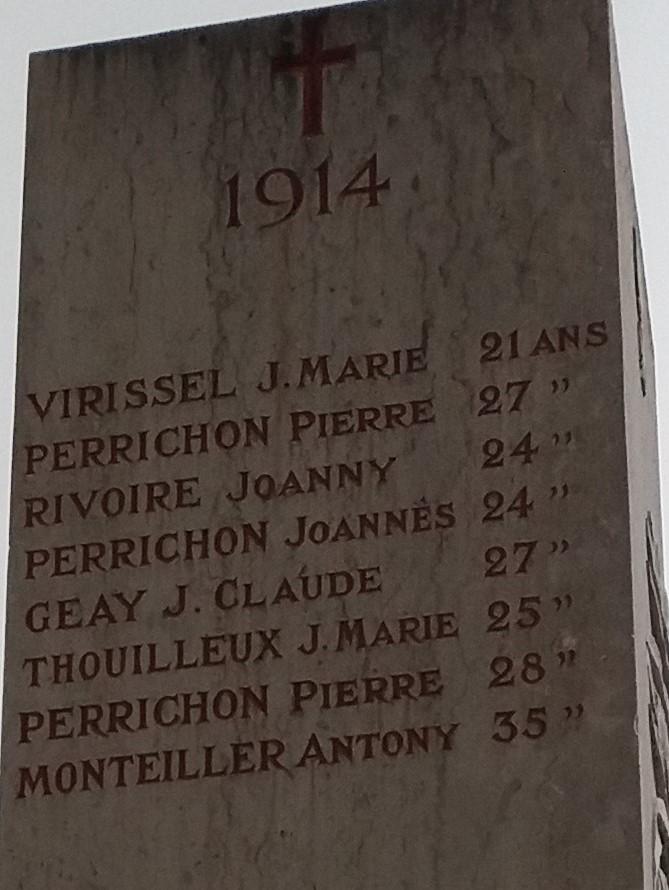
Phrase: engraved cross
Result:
[311,64]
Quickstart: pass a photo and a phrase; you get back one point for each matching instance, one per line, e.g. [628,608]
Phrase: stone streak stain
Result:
[640,294]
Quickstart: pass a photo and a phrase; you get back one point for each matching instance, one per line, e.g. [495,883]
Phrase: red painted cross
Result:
[311,64]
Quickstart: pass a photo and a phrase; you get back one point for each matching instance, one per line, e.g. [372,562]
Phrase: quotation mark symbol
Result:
[567,657]
[559,547]
[574,712]
[563,602]
[563,438]
[561,385]
[559,491]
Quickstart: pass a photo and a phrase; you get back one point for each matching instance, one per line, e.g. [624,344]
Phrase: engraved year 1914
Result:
[286,190]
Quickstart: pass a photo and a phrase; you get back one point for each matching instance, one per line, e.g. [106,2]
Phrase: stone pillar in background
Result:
[335,549]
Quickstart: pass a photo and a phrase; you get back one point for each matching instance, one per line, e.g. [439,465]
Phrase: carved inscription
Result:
[116,490]
[522,620]
[289,192]
[210,570]
[311,65]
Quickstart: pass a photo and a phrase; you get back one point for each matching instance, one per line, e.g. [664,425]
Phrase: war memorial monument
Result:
[335,538]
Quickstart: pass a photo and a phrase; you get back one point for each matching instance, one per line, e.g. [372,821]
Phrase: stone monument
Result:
[335,539]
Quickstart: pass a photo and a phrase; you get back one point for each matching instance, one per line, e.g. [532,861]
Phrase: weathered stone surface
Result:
[335,525]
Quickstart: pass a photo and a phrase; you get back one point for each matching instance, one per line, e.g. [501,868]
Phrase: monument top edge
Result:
[80,48]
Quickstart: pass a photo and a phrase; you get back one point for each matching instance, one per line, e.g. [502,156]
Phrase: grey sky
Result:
[28,25]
